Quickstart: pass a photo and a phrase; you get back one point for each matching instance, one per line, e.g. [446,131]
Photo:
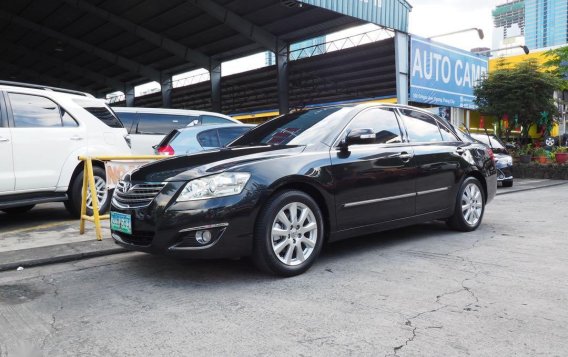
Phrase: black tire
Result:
[458,220]
[508,183]
[17,210]
[73,205]
[264,255]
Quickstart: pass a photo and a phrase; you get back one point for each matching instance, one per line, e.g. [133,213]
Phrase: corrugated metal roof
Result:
[391,14]
[116,53]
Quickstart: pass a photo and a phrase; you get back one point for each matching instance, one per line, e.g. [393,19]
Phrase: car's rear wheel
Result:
[470,206]
[18,210]
[508,183]
[289,234]
[73,205]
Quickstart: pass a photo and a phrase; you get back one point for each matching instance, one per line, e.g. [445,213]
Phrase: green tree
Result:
[524,92]
[557,65]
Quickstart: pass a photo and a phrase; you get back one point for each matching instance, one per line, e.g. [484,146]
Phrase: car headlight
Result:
[221,185]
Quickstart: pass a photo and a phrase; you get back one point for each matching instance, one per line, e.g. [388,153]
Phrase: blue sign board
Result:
[443,75]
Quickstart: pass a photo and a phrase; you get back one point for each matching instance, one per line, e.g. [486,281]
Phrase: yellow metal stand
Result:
[89,185]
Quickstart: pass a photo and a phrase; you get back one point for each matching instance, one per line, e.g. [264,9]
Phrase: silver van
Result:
[148,126]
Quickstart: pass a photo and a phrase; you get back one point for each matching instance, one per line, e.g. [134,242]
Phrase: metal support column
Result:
[215,74]
[282,57]
[167,86]
[129,95]
[402,59]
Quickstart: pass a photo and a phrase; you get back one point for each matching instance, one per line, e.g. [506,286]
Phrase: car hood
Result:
[185,168]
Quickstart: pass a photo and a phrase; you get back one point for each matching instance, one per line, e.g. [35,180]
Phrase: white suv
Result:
[43,131]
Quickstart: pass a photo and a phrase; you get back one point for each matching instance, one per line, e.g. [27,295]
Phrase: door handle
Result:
[76,138]
[405,156]
[3,139]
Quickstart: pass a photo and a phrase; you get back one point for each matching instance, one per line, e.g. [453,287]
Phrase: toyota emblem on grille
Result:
[126,186]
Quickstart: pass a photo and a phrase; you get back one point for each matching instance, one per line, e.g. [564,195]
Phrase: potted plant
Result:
[541,155]
[525,154]
[561,154]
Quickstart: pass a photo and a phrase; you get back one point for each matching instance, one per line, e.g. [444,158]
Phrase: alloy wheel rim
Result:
[472,204]
[294,234]
[102,194]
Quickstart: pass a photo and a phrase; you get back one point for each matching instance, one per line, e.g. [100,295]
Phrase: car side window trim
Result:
[442,126]
[4,123]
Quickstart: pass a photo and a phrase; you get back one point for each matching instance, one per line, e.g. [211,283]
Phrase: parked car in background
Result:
[322,174]
[43,131]
[200,137]
[148,126]
[503,160]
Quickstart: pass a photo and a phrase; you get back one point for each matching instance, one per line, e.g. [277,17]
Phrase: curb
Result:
[34,257]
[532,188]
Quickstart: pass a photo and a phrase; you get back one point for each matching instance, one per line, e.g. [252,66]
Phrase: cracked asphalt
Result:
[419,291]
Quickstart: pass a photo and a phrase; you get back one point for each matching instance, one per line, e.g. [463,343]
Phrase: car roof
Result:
[362,106]
[167,111]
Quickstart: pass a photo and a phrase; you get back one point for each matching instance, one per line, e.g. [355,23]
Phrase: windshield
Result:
[299,128]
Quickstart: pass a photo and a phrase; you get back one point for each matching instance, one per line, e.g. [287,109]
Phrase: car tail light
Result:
[166,150]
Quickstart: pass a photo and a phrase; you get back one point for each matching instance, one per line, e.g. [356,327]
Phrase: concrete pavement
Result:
[47,235]
[419,291]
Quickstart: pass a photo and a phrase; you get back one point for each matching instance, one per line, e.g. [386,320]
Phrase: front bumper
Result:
[504,173]
[169,227]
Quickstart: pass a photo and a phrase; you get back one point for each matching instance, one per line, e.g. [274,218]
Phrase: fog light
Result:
[203,237]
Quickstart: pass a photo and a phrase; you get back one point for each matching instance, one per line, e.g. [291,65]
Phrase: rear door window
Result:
[33,111]
[161,124]
[226,135]
[447,134]
[210,119]
[100,111]
[208,139]
[420,127]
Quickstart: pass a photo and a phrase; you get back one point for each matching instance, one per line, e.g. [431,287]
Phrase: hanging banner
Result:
[442,75]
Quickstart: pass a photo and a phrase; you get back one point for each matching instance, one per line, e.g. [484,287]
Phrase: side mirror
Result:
[358,137]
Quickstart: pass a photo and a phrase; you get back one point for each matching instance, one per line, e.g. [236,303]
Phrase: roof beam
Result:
[36,76]
[238,23]
[66,66]
[155,38]
[127,64]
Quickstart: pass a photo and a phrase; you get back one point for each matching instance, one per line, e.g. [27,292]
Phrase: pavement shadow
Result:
[39,215]
[167,270]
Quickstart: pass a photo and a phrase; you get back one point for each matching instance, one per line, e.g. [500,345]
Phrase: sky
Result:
[436,17]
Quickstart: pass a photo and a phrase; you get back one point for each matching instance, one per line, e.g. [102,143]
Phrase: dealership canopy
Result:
[104,45]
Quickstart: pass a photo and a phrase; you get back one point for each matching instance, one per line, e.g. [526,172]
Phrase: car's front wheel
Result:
[289,234]
[470,206]
[75,193]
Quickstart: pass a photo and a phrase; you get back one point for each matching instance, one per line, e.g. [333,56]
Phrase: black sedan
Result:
[286,187]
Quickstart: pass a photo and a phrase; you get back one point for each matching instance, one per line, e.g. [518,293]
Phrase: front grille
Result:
[137,196]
